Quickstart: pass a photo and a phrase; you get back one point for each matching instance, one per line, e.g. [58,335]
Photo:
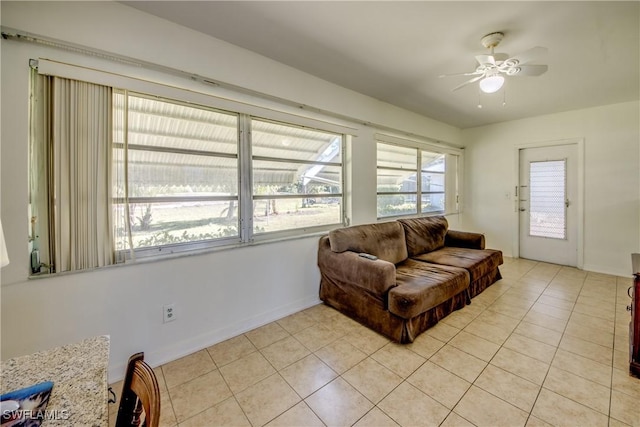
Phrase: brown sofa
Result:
[423,272]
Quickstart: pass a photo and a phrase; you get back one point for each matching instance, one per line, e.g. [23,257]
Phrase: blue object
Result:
[25,407]
[25,393]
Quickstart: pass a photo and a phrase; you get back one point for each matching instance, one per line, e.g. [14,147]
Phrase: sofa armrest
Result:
[376,276]
[464,239]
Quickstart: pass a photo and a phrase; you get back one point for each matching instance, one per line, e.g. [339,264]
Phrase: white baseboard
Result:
[193,344]
[607,270]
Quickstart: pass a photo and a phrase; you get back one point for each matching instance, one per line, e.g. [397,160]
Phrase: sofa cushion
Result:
[384,240]
[373,277]
[422,286]
[424,234]
[477,262]
[464,239]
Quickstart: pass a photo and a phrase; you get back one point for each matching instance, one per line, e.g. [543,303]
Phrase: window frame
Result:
[196,245]
[268,235]
[245,197]
[452,179]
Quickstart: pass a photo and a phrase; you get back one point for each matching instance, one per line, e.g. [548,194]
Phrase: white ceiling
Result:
[394,51]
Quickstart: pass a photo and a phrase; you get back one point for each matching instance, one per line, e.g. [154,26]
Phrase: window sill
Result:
[184,254]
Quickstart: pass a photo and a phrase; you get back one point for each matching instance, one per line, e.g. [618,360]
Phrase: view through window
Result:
[175,172]
[183,177]
[178,170]
[411,180]
[297,177]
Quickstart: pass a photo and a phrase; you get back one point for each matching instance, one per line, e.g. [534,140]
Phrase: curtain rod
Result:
[21,36]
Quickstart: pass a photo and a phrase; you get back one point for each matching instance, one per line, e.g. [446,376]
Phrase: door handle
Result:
[522,209]
[567,203]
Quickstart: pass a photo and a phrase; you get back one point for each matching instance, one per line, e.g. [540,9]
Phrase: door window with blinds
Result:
[547,194]
[414,180]
[116,175]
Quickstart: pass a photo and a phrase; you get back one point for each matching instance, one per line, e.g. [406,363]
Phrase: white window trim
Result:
[423,144]
[246,234]
[181,90]
[433,146]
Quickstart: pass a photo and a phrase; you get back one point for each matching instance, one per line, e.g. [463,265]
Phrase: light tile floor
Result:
[546,345]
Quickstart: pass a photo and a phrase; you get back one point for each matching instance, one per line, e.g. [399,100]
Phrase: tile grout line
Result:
[615,327]
[556,350]
[512,286]
[613,355]
[522,320]
[557,347]
[488,362]
[608,415]
[311,352]
[501,346]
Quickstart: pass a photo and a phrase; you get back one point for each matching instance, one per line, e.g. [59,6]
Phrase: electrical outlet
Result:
[168,313]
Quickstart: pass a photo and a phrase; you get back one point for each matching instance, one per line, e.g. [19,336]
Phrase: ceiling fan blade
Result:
[485,59]
[527,70]
[468,82]
[473,73]
[527,55]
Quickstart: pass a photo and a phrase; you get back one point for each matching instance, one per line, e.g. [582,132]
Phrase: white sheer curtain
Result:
[71,165]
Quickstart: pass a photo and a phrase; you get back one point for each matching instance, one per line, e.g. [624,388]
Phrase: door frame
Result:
[579,202]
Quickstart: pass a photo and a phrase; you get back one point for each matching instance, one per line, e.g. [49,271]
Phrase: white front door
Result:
[548,215]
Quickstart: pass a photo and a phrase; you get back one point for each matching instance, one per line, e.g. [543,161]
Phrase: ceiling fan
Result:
[493,68]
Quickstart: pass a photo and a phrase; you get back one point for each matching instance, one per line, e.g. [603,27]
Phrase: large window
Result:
[182,177]
[413,180]
[297,177]
[175,174]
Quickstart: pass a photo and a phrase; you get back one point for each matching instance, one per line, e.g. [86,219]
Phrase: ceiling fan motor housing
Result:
[492,40]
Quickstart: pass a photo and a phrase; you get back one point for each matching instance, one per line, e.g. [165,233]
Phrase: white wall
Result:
[223,293]
[611,137]
[217,295]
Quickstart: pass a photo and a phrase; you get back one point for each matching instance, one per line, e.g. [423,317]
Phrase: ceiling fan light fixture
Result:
[491,84]
[494,68]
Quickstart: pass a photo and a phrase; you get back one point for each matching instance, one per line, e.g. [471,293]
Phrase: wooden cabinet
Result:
[634,327]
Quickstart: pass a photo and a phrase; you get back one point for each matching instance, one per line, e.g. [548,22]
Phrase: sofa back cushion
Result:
[424,234]
[385,240]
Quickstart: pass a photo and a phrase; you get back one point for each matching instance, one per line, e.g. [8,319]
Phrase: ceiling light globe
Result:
[491,84]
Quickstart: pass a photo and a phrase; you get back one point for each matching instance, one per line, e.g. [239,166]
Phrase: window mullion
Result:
[419,183]
[245,179]
[127,206]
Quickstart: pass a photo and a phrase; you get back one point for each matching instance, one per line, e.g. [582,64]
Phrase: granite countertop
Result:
[79,374]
